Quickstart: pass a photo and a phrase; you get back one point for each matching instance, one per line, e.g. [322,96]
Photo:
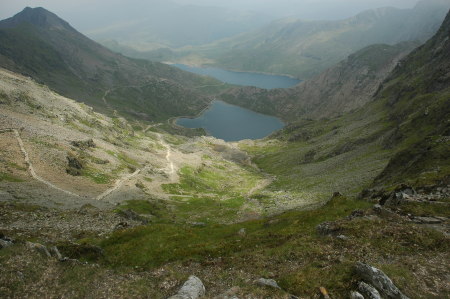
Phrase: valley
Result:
[102,196]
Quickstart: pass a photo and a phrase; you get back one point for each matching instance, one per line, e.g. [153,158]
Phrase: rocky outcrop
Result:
[368,291]
[267,283]
[379,280]
[5,241]
[193,288]
[356,295]
[39,248]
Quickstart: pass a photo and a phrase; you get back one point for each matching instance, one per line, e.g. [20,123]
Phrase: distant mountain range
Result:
[168,24]
[37,43]
[305,48]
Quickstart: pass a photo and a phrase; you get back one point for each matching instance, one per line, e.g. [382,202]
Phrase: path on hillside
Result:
[170,165]
[215,85]
[30,167]
[118,184]
[261,185]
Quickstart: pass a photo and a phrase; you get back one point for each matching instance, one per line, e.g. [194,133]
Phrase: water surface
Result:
[243,78]
[233,123]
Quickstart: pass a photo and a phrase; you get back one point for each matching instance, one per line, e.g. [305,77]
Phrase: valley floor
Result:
[134,211]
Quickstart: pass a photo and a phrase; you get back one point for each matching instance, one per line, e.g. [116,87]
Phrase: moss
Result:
[6,177]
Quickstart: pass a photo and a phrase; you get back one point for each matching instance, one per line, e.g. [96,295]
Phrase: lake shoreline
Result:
[203,66]
[238,124]
[242,78]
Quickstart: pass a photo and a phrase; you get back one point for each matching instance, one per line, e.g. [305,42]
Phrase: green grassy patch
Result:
[96,175]
[219,179]
[6,177]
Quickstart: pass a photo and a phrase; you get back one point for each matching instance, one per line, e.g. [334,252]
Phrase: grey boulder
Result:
[193,288]
[268,283]
[356,295]
[379,280]
[368,291]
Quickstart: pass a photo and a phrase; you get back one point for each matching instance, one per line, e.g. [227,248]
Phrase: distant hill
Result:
[305,48]
[37,43]
[161,24]
[342,88]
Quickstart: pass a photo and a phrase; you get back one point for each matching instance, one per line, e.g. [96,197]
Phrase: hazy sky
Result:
[75,11]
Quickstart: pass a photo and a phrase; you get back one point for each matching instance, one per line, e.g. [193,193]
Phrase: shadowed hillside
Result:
[37,43]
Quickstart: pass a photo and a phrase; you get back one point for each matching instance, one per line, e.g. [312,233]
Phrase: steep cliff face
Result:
[416,98]
[347,86]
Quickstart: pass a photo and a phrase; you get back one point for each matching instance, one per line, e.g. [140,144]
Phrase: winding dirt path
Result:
[170,165]
[261,185]
[118,184]
[30,167]
[171,168]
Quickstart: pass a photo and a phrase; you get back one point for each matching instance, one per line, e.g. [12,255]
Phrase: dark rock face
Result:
[83,144]
[379,280]
[74,165]
[5,241]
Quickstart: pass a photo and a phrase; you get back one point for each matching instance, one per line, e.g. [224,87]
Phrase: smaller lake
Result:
[233,123]
[243,78]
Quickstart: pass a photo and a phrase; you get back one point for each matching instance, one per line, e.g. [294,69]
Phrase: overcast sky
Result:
[75,11]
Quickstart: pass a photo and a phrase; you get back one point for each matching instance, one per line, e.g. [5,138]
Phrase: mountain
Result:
[161,24]
[305,48]
[347,86]
[37,43]
[399,136]
[100,206]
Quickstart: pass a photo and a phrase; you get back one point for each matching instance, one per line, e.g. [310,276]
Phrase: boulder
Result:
[193,288]
[268,283]
[368,291]
[5,241]
[55,253]
[379,280]
[356,295]
[426,220]
[39,248]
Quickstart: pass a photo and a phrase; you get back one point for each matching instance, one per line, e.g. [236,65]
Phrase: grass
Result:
[96,175]
[6,177]
[124,158]
[160,243]
[286,244]
[220,179]
[146,207]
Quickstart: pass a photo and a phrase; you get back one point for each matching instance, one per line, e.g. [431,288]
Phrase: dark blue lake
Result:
[233,123]
[243,78]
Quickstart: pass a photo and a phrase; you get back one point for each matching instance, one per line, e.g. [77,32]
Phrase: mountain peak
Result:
[39,17]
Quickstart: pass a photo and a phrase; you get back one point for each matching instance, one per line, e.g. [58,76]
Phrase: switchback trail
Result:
[30,167]
[118,184]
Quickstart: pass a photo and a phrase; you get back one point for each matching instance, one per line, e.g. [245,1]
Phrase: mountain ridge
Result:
[305,48]
[54,53]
